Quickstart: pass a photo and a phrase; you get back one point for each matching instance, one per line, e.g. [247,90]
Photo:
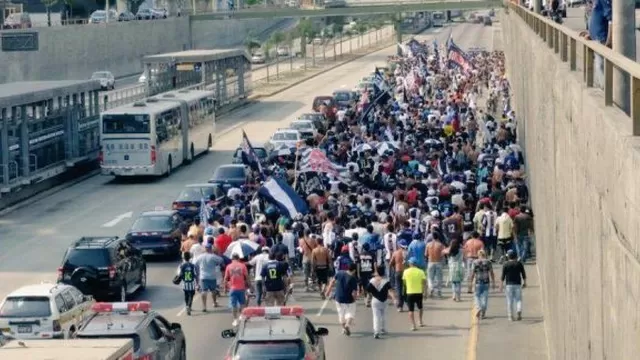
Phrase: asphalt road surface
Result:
[33,239]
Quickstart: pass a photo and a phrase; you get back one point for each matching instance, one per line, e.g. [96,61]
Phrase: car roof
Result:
[231,166]
[203,185]
[302,121]
[262,328]
[254,144]
[98,242]
[45,289]
[286,131]
[342,91]
[114,323]
[159,213]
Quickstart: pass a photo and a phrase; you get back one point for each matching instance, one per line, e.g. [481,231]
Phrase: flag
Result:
[404,50]
[314,160]
[457,56]
[379,82]
[204,212]
[249,156]
[279,193]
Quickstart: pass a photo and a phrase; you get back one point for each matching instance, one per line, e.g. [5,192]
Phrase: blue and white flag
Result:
[249,156]
[379,82]
[279,193]
[204,212]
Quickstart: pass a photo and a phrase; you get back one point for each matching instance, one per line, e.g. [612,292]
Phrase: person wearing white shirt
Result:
[289,240]
[258,263]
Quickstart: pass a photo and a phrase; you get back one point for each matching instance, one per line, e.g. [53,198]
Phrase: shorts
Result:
[346,312]
[413,301]
[237,298]
[274,298]
[208,285]
[322,275]
[365,277]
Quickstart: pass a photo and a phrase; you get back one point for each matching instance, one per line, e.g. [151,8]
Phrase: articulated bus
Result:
[437,18]
[154,136]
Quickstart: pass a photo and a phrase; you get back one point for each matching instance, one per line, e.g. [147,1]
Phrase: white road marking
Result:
[324,305]
[181,312]
[117,219]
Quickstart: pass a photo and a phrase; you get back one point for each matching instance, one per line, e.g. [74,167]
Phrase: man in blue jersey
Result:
[416,250]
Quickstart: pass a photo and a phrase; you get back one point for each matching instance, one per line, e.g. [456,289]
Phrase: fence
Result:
[580,54]
[319,54]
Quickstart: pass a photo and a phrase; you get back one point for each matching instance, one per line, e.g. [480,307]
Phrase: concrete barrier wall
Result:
[75,52]
[584,167]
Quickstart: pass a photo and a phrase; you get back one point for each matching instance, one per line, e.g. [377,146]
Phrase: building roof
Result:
[194,56]
[29,92]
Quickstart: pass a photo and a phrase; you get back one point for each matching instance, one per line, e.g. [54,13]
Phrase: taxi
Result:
[282,333]
[44,311]
[153,336]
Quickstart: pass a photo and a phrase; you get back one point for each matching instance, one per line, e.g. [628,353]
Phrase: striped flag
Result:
[314,160]
[204,212]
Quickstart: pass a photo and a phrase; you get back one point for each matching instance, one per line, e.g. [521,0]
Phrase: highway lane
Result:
[33,238]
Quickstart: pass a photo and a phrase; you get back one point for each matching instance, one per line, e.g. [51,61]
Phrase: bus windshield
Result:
[125,124]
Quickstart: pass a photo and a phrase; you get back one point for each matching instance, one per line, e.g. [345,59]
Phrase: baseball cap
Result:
[265,249]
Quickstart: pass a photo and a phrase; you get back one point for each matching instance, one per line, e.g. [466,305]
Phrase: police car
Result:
[153,336]
[43,311]
[282,333]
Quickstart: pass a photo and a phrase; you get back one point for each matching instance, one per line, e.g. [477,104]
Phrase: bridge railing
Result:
[580,54]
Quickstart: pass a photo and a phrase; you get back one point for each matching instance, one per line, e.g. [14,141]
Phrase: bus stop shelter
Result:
[226,71]
[45,128]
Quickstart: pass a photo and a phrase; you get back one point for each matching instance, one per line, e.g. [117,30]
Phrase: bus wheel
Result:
[169,166]
[193,152]
[209,142]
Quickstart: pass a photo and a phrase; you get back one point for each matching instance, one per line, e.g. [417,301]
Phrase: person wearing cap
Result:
[397,262]
[514,278]
[414,280]
[208,264]
[258,262]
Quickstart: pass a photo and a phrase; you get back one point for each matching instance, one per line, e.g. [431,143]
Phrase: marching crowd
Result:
[419,178]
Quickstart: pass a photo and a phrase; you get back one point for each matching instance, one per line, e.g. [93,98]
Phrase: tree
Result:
[338,23]
[48,4]
[277,37]
[252,44]
[305,28]
[134,5]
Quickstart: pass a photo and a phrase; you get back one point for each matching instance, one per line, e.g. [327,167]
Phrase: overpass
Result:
[584,164]
[357,9]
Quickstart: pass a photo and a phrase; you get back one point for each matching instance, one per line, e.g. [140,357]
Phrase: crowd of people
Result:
[430,181]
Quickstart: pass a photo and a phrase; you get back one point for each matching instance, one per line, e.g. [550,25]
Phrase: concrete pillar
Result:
[219,79]
[223,74]
[537,6]
[624,42]
[4,145]
[240,75]
[24,140]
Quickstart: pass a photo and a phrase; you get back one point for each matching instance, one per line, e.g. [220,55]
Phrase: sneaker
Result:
[347,331]
[421,325]
[413,328]
[399,309]
[188,311]
[322,296]
[234,323]
[376,336]
[204,310]
[519,317]
[478,314]
[484,314]
[382,332]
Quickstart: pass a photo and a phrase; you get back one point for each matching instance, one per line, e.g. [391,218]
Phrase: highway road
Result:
[33,238]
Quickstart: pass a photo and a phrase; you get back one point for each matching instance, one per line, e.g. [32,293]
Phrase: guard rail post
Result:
[313,54]
[350,44]
[105,101]
[335,55]
[324,52]
[341,41]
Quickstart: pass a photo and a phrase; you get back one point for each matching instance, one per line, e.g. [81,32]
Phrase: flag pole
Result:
[295,166]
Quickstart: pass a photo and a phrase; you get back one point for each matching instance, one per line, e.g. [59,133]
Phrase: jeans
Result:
[522,247]
[399,287]
[598,71]
[482,296]
[188,298]
[434,273]
[456,287]
[514,299]
[379,310]
[259,291]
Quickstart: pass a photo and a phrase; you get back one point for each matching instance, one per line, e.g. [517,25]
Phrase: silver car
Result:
[106,79]
[100,17]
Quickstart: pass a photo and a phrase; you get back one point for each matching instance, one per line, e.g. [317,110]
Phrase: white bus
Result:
[437,18]
[154,136]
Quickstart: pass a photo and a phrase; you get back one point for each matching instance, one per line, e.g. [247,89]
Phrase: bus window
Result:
[125,124]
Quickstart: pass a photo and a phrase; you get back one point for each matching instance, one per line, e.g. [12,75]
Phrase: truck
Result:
[98,349]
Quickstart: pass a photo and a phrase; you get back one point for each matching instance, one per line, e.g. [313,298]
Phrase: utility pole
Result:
[623,42]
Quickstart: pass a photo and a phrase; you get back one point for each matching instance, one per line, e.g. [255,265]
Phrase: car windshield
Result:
[281,350]
[260,152]
[97,258]
[285,136]
[99,13]
[311,117]
[229,172]
[125,124]
[302,125]
[26,306]
[134,337]
[216,191]
[153,223]
[100,75]
[342,96]
[190,194]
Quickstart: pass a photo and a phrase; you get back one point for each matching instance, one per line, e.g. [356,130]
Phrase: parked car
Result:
[145,14]
[487,21]
[160,13]
[283,51]
[100,17]
[258,58]
[17,21]
[106,79]
[317,41]
[126,16]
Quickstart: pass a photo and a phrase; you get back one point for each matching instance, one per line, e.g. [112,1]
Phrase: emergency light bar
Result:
[274,311]
[103,307]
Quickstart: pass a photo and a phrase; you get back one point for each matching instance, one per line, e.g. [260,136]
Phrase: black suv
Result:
[104,267]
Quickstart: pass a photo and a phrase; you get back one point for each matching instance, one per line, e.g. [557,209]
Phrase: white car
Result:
[282,51]
[288,137]
[106,79]
[306,128]
[258,58]
[44,311]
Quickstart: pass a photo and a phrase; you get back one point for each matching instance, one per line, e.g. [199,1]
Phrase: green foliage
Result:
[305,28]
[252,2]
[361,28]
[277,37]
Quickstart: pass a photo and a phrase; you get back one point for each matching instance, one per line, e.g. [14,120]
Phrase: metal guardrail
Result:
[565,42]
